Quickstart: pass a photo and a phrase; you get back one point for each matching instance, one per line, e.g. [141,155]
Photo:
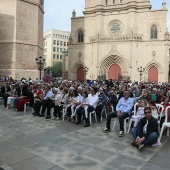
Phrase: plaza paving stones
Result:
[34,143]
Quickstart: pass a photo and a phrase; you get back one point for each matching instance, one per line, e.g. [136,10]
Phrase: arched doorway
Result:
[80,73]
[114,72]
[153,75]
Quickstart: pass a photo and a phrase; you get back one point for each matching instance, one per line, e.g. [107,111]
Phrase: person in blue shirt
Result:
[123,110]
[44,102]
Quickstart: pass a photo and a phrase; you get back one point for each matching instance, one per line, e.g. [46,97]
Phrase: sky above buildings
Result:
[58,12]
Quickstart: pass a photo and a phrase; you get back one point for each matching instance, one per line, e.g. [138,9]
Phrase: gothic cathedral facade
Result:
[116,39]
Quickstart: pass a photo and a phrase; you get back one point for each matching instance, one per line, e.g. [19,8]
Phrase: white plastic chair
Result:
[114,122]
[131,119]
[25,106]
[64,113]
[166,123]
[125,124]
[90,115]
[103,111]
[160,106]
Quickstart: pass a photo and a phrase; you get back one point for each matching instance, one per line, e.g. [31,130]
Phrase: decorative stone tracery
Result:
[126,37]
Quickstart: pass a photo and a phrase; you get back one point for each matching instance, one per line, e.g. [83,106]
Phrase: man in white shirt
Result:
[93,100]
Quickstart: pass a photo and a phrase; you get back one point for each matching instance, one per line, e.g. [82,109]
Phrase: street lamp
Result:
[141,70]
[85,69]
[40,64]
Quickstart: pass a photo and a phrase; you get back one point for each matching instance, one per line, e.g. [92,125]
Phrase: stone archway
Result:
[80,73]
[114,72]
[112,66]
[153,75]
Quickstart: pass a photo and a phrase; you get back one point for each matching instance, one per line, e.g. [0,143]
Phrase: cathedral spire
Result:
[164,4]
[74,14]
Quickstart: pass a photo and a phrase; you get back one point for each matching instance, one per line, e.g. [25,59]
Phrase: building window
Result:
[54,42]
[67,44]
[61,49]
[64,43]
[57,49]
[154,32]
[61,43]
[54,35]
[61,57]
[57,56]
[80,36]
[54,49]
[120,1]
[58,42]
[54,56]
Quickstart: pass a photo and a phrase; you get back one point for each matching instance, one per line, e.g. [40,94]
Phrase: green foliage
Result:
[56,69]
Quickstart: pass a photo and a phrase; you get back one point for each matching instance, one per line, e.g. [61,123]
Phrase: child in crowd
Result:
[154,109]
[140,112]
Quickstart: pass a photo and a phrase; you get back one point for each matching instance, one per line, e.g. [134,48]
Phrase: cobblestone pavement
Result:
[34,143]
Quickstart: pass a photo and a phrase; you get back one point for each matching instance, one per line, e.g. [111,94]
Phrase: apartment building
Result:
[55,42]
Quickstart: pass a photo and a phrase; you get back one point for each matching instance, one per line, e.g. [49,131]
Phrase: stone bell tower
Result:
[21,37]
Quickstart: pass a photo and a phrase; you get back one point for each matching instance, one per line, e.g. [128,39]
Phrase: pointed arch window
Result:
[154,32]
[80,36]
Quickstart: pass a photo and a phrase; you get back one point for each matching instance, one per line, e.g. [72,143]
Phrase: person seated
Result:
[56,103]
[11,96]
[140,111]
[113,99]
[146,131]
[102,101]
[43,102]
[123,110]
[6,90]
[155,112]
[84,105]
[93,100]
[73,103]
[19,102]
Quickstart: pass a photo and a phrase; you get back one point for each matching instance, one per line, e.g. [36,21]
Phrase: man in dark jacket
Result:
[146,131]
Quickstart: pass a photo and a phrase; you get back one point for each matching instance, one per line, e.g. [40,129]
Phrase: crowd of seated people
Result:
[76,99]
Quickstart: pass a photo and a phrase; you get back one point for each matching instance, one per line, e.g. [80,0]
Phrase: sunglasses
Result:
[147,112]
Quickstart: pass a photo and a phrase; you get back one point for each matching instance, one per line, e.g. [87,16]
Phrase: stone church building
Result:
[21,37]
[116,37]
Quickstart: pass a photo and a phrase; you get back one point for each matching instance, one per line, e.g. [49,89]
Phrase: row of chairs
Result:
[93,113]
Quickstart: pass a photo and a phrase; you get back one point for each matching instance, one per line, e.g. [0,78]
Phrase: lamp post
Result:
[141,70]
[40,64]
[85,69]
